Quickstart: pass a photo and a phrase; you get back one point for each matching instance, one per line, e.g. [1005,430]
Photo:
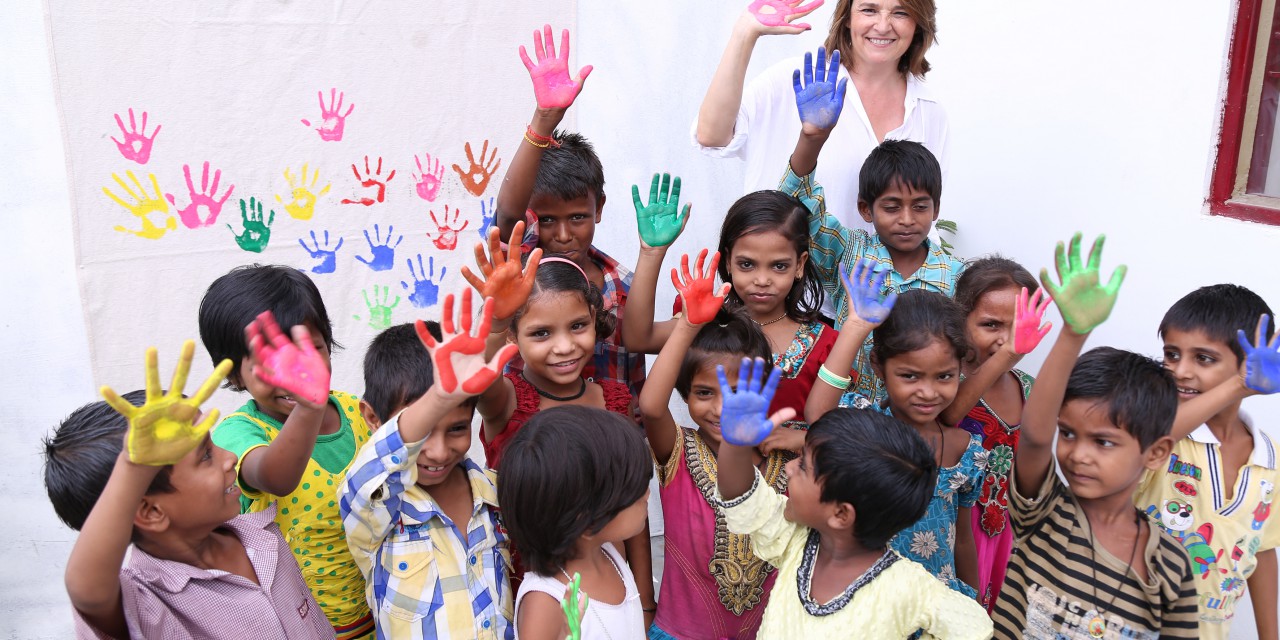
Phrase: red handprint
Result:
[427,181]
[136,146]
[459,357]
[697,289]
[293,366]
[190,215]
[503,281]
[476,177]
[371,179]
[552,86]
[446,236]
[331,124]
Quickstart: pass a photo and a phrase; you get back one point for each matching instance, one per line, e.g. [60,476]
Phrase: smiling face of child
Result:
[1198,362]
[922,383]
[902,217]
[205,493]
[556,335]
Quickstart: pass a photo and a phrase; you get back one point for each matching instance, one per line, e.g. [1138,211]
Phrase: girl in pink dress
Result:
[713,586]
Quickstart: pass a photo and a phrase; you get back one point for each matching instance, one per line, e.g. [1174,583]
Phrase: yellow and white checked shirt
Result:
[425,577]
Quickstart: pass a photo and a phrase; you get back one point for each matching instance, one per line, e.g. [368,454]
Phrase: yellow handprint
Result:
[161,431]
[303,205]
[143,205]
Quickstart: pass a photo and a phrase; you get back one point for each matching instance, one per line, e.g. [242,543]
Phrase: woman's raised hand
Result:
[501,277]
[769,17]
[697,289]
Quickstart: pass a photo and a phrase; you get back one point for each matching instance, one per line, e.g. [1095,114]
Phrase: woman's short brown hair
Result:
[924,12]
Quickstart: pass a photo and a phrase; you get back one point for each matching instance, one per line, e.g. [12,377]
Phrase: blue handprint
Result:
[426,286]
[326,258]
[744,419]
[1261,360]
[384,253]
[820,99]
[487,215]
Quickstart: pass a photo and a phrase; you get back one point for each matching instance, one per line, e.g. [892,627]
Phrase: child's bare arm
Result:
[743,425]
[639,558]
[297,368]
[819,101]
[1084,303]
[1262,594]
[966,550]
[555,91]
[870,307]
[161,432]
[1027,334]
[541,618]
[659,222]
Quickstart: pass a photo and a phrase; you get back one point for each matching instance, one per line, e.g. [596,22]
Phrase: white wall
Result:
[1101,119]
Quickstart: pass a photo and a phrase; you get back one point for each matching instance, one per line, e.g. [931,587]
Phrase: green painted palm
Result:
[1082,299]
[660,221]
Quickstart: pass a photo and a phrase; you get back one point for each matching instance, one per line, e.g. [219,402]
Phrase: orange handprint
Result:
[502,278]
[476,178]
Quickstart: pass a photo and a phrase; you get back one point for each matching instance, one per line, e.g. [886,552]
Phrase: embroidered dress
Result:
[1222,528]
[931,541]
[799,364]
[617,398]
[893,599]
[713,586]
[991,532]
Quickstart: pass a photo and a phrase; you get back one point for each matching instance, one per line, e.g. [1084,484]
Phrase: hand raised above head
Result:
[697,289]
[1082,299]
[661,220]
[501,277]
[552,86]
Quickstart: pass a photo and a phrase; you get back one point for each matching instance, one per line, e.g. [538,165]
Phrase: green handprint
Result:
[163,430]
[257,231]
[1081,298]
[661,221]
[379,310]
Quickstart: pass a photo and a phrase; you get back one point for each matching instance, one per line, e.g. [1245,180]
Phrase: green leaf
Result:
[946,225]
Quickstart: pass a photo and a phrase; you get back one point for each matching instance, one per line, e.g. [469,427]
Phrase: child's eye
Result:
[744,265]
[1106,444]
[579,326]
[546,221]
[1170,356]
[577,218]
[1066,434]
[946,376]
[908,376]
[208,454]
[539,333]
[781,266]
[1203,359]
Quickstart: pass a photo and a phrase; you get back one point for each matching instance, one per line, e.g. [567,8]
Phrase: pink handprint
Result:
[136,146]
[331,124]
[552,86]
[427,181]
[476,178]
[371,179]
[446,236]
[190,215]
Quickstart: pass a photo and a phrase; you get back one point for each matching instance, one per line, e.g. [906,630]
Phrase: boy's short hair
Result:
[877,464]
[1140,393]
[730,334]
[236,298]
[398,369]
[899,161]
[1219,311]
[570,470]
[570,169]
[80,455]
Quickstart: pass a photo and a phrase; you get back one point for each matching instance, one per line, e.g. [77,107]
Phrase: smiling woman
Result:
[882,45]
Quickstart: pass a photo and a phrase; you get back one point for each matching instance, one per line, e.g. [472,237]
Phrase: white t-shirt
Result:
[768,125]
[602,621]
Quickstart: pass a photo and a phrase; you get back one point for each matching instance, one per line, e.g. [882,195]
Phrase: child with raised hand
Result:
[555,316]
[861,478]
[421,517]
[1216,492]
[712,586]
[295,438]
[575,483]
[899,193]
[1087,563]
[150,475]
[990,294]
[764,241]
[555,185]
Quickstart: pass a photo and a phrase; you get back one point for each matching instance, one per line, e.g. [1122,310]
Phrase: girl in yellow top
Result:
[294,439]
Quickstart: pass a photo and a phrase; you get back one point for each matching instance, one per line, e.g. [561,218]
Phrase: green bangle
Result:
[839,382]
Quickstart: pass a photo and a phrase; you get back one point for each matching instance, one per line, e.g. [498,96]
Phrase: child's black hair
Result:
[903,162]
[398,369]
[570,169]
[762,212]
[877,464]
[1219,311]
[80,455]
[992,273]
[236,298]
[731,335]
[569,471]
[918,318]
[557,277]
[1140,394]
